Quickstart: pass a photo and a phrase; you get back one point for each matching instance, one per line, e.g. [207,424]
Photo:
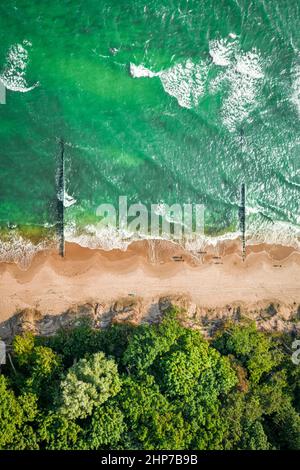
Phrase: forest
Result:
[151,387]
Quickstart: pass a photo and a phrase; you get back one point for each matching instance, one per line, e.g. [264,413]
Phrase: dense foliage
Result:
[150,387]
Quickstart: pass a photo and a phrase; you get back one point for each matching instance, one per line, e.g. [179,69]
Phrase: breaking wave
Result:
[295,96]
[185,82]
[238,72]
[14,71]
[221,51]
[19,250]
[110,238]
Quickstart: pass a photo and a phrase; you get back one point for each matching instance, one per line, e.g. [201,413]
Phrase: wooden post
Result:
[242,218]
[242,207]
[60,199]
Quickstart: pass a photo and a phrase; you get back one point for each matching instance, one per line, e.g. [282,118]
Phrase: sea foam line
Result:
[21,251]
[279,233]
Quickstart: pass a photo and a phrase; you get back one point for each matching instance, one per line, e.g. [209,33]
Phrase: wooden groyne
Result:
[242,218]
[60,192]
[242,207]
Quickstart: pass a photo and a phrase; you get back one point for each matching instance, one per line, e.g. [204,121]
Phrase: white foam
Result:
[295,95]
[19,250]
[68,200]
[105,238]
[245,80]
[186,82]
[139,71]
[183,81]
[13,74]
[240,72]
[259,231]
[202,242]
[221,51]
[249,64]
[276,233]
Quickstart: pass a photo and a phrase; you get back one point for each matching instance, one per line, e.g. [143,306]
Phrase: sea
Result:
[162,101]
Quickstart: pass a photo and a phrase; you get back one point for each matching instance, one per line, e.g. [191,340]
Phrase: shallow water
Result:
[150,99]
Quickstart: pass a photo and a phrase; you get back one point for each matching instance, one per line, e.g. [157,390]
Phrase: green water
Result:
[212,68]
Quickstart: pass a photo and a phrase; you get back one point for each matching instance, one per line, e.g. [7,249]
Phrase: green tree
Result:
[105,428]
[152,422]
[241,413]
[88,383]
[38,367]
[151,341]
[74,343]
[192,365]
[174,390]
[16,417]
[56,432]
[252,348]
[286,428]
[254,438]
[23,346]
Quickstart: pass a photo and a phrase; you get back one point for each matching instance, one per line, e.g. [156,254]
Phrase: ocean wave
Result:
[295,95]
[14,71]
[276,233]
[221,51]
[185,82]
[243,75]
[138,71]
[109,238]
[239,77]
[19,250]
[64,197]
[105,238]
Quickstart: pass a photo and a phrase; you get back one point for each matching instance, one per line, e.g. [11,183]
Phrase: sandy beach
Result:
[214,278]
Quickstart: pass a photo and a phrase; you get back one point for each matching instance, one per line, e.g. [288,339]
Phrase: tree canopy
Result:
[160,386]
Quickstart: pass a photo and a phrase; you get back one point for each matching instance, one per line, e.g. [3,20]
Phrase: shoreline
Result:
[270,273]
[21,244]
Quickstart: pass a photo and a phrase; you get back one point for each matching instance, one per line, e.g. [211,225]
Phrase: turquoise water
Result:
[150,99]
